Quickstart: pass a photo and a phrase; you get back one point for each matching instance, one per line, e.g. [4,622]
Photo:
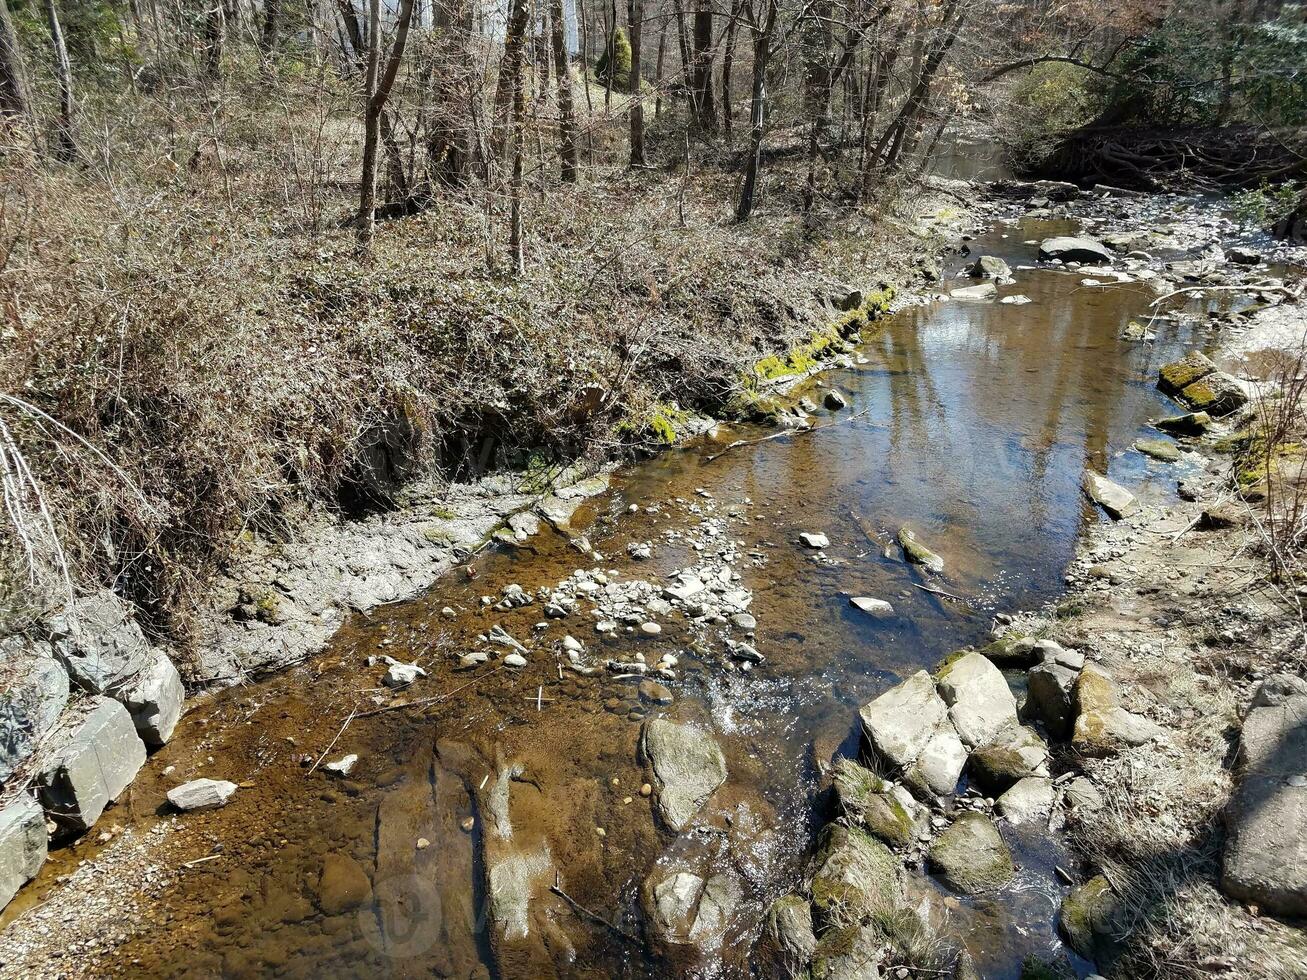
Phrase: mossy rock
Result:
[788,942]
[1035,968]
[871,803]
[1159,449]
[847,952]
[1000,766]
[1088,920]
[1173,378]
[1189,424]
[970,856]
[1013,652]
[918,553]
[856,874]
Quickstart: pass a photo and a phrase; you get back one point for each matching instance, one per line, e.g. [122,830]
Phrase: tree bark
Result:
[268,35]
[516,231]
[214,30]
[377,86]
[14,104]
[757,113]
[728,61]
[634,21]
[65,136]
[706,113]
[563,79]
[658,71]
[510,72]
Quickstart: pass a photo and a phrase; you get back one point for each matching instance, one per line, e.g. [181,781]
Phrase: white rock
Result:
[401,675]
[201,794]
[515,660]
[876,608]
[342,766]
[814,539]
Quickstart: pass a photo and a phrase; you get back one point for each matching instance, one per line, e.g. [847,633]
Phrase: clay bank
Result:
[754,705]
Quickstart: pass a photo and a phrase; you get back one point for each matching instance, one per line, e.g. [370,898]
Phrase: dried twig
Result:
[557,889]
[432,700]
[333,742]
[781,435]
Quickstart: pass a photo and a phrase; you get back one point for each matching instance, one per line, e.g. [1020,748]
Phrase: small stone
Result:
[655,693]
[646,790]
[572,645]
[467,823]
[201,794]
[423,843]
[834,400]
[342,766]
[814,540]
[650,629]
[876,608]
[744,621]
[514,660]
[401,675]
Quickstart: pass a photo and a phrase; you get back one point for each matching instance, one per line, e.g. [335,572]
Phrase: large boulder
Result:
[856,876]
[1115,499]
[1029,799]
[907,730]
[788,941]
[1048,698]
[970,855]
[980,702]
[33,694]
[1266,820]
[1068,249]
[99,642]
[851,952]
[1016,754]
[688,766]
[22,845]
[155,698]
[91,764]
[885,810]
[1103,727]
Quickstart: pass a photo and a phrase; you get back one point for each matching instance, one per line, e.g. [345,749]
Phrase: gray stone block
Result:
[33,693]
[22,845]
[99,642]
[91,764]
[155,698]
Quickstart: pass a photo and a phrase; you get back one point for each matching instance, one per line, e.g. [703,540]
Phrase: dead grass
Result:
[189,303]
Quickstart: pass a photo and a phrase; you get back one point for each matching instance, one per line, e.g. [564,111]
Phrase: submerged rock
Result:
[343,885]
[917,553]
[688,766]
[875,608]
[684,910]
[1158,449]
[1074,249]
[1266,819]
[1115,499]
[970,856]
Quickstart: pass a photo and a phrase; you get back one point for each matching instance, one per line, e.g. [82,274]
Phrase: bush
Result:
[1265,205]
[1046,104]
[621,68]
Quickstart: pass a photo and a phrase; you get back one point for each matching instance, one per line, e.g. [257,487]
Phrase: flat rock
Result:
[1218,394]
[33,694]
[23,845]
[1266,819]
[1175,376]
[202,794]
[1012,651]
[875,608]
[688,767]
[1074,249]
[980,293]
[970,855]
[1188,424]
[908,729]
[91,764]
[1028,800]
[99,642]
[1102,726]
[1014,755]
[814,540]
[154,699]
[980,702]
[1116,500]
[342,766]
[685,910]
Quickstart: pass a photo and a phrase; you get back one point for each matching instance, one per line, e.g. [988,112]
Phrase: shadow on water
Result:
[979,419]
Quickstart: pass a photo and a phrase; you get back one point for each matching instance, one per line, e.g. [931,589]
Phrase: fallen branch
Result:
[939,592]
[557,889]
[782,434]
[333,742]
[432,700]
[211,857]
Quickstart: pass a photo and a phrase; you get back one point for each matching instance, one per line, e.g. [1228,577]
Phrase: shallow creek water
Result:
[972,422]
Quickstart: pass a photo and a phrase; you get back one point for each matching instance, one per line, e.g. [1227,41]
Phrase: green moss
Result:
[1181,374]
[444,513]
[823,343]
[1087,919]
[1034,968]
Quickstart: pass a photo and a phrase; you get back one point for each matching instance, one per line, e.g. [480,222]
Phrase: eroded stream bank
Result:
[969,421]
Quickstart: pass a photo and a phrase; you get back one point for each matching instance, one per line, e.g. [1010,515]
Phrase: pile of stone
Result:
[79,709]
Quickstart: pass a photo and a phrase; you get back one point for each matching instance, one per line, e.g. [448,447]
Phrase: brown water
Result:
[978,421]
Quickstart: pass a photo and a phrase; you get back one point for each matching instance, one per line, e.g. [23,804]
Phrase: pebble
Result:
[467,824]
[646,789]
[515,660]
[423,843]
[650,629]
[814,539]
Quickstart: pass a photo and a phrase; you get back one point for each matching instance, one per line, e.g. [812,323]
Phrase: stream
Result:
[971,422]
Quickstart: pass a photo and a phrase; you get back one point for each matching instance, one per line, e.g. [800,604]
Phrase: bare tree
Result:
[14,103]
[762,51]
[268,32]
[701,62]
[377,86]
[65,137]
[635,21]
[215,29]
[563,79]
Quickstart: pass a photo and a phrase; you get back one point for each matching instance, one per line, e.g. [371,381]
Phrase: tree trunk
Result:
[757,112]
[377,86]
[728,61]
[563,79]
[634,20]
[510,72]
[268,35]
[706,116]
[658,71]
[65,137]
[214,30]
[14,104]
[515,218]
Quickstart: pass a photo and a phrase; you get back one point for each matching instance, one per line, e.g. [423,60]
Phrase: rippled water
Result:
[973,424]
